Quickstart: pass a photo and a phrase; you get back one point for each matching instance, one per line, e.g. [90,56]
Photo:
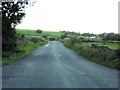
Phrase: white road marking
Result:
[47,45]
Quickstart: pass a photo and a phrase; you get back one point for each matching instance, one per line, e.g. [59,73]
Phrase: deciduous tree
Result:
[12,14]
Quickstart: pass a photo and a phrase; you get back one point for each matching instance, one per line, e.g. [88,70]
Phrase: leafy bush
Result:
[45,37]
[64,35]
[20,36]
[118,52]
[39,31]
[104,56]
[69,42]
[52,39]
[34,40]
[22,52]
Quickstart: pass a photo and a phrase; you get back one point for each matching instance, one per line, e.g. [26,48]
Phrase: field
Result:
[33,33]
[111,45]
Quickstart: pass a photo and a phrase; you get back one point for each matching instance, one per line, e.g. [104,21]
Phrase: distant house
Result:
[93,38]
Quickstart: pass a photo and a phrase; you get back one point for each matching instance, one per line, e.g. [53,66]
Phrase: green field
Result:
[25,46]
[110,45]
[58,34]
[33,33]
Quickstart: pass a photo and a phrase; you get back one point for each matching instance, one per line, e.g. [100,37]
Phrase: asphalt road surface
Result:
[55,66]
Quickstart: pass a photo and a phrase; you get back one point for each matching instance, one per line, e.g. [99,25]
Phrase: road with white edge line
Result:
[55,66]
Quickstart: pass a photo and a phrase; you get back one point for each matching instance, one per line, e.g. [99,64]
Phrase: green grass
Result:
[58,34]
[105,57]
[25,47]
[110,45]
[27,32]
[33,33]
[33,36]
[24,51]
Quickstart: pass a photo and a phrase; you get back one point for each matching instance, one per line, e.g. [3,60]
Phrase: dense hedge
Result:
[52,39]
[101,55]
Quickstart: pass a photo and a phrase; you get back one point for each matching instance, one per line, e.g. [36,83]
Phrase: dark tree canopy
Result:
[88,34]
[64,35]
[12,14]
[39,31]
[111,36]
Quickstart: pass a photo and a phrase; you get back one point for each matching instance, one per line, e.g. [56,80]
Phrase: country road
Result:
[55,66]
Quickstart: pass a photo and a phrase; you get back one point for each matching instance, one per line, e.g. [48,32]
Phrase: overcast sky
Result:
[93,16]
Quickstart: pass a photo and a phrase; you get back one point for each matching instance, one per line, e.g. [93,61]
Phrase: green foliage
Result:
[95,51]
[67,43]
[45,37]
[52,39]
[103,52]
[20,36]
[33,33]
[105,57]
[88,34]
[34,40]
[12,14]
[117,52]
[39,31]
[22,52]
[24,46]
[72,41]
[110,36]
[64,35]
[70,33]
[8,40]
[28,33]
[111,45]
[52,33]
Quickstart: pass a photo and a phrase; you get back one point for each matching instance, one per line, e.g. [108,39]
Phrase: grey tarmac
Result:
[55,66]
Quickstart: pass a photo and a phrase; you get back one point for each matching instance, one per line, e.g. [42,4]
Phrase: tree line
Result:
[104,36]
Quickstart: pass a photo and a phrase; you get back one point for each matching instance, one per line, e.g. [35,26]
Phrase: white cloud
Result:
[94,16]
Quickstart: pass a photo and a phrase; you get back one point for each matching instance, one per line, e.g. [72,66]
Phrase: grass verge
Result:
[24,51]
[103,56]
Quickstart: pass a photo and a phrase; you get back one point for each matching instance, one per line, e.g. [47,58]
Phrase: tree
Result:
[45,37]
[12,14]
[74,39]
[103,35]
[112,36]
[117,52]
[64,35]
[39,31]
[88,34]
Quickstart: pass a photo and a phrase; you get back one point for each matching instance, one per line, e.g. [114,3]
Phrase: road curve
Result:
[55,66]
